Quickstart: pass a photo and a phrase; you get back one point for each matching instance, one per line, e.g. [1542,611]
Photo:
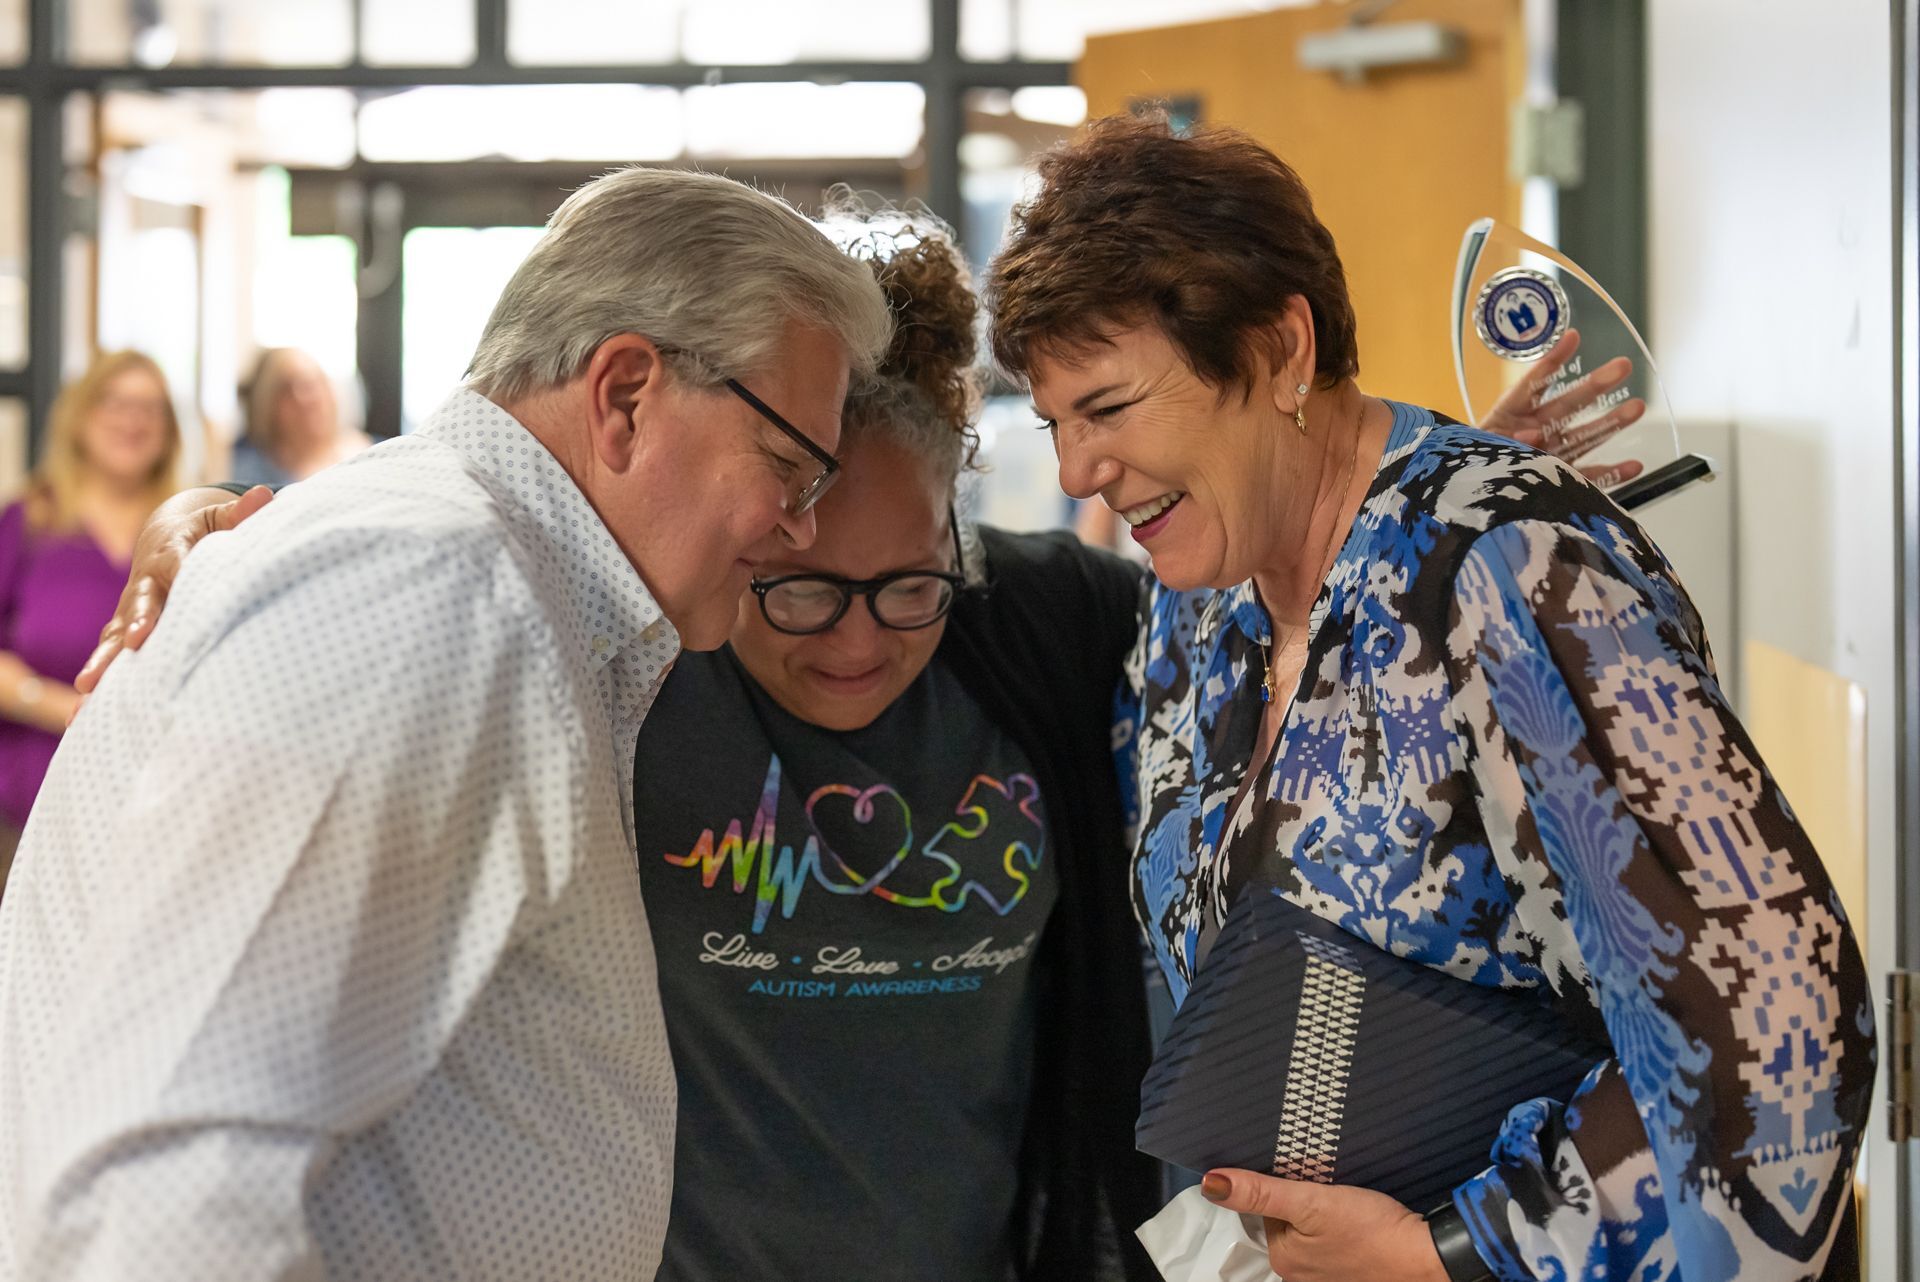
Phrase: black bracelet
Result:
[1458,1256]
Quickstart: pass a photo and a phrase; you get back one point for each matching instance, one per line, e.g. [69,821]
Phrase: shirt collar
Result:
[611,610]
[1239,606]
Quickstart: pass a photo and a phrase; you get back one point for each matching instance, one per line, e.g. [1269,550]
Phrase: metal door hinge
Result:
[1903,1056]
[1548,141]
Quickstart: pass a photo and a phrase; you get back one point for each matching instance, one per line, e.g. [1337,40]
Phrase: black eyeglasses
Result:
[802,604]
[799,503]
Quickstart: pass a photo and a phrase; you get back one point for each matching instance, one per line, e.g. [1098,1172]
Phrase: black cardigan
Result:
[1041,647]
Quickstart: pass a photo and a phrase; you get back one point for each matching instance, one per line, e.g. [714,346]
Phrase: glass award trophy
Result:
[1528,323]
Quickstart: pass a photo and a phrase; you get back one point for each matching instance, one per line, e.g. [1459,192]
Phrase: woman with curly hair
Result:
[887,899]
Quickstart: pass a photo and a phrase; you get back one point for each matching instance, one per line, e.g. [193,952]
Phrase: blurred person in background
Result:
[109,459]
[293,423]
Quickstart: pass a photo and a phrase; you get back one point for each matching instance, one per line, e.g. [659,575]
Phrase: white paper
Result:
[1194,1240]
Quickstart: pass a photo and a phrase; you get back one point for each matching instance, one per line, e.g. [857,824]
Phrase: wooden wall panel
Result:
[1399,164]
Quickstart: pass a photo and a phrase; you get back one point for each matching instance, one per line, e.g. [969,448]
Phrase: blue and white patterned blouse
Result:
[1508,758]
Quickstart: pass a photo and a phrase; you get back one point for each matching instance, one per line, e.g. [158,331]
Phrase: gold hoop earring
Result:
[1300,409]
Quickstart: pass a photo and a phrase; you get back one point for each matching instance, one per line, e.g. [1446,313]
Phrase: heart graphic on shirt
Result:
[985,855]
[865,834]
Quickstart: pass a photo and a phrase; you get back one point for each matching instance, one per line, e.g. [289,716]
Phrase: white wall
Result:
[1772,268]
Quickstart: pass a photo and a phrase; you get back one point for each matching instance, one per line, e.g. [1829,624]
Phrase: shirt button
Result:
[600,645]
[653,630]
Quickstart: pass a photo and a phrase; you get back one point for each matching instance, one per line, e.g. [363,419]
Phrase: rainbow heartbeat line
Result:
[754,858]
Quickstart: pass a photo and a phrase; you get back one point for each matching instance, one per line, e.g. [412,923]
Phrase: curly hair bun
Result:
[926,282]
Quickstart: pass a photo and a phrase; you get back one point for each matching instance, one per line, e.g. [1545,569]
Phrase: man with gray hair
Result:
[364,987]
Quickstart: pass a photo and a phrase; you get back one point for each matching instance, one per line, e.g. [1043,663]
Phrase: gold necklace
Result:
[1267,691]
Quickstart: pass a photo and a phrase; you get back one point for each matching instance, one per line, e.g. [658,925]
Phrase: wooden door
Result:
[1399,163]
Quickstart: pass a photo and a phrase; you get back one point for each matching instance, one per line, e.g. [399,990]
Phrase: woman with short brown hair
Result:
[1436,688]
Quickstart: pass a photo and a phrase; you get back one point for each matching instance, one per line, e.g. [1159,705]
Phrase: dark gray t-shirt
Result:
[846,925]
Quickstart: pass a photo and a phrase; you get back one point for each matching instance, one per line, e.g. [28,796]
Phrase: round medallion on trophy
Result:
[1520,313]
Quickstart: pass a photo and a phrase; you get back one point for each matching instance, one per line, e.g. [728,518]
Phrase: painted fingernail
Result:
[1215,1188]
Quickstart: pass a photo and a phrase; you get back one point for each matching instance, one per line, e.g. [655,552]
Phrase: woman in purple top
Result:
[111,448]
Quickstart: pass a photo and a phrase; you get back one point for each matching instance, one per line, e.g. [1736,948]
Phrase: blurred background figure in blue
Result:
[293,423]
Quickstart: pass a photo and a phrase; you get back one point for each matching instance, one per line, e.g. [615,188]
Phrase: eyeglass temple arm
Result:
[959,552]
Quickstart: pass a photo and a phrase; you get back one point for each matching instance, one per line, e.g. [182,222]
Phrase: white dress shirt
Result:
[324,954]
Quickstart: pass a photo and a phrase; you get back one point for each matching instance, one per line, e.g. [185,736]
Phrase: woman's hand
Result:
[1331,1232]
[161,550]
[1521,414]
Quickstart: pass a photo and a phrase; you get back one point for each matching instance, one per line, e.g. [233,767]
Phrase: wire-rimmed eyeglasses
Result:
[797,503]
